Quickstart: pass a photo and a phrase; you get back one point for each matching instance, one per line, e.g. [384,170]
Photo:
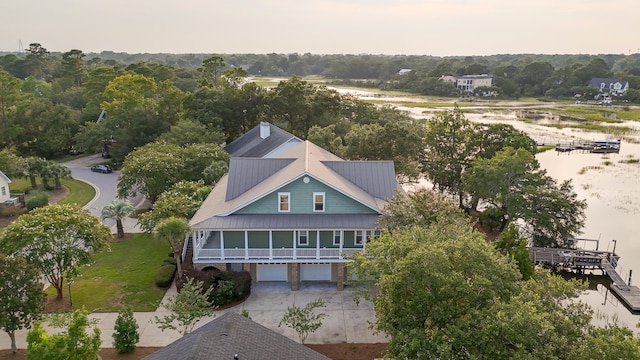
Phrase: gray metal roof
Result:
[289,222]
[5,177]
[595,82]
[375,177]
[251,144]
[249,172]
[231,334]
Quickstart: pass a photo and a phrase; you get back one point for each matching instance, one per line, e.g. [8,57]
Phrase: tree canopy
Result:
[56,239]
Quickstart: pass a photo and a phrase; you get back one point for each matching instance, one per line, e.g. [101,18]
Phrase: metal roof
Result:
[375,177]
[290,222]
[230,334]
[252,144]
[249,172]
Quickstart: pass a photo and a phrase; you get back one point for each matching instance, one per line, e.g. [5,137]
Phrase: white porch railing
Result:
[278,254]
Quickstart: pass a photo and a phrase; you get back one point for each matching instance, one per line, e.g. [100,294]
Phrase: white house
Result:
[470,82]
[4,187]
[615,87]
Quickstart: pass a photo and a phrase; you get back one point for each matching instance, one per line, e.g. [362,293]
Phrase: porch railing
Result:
[273,254]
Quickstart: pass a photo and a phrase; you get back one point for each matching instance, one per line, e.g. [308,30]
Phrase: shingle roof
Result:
[595,82]
[231,334]
[252,144]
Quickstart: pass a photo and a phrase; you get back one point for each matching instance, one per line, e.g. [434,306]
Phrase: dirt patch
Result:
[334,351]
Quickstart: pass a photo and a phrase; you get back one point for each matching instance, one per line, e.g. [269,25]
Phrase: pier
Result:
[595,146]
[580,260]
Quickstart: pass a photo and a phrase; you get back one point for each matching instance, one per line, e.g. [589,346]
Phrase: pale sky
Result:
[410,27]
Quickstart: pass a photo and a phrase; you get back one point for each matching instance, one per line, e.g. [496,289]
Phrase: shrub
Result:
[228,286]
[125,336]
[492,218]
[164,276]
[36,200]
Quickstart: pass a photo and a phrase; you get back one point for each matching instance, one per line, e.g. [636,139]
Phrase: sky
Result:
[393,27]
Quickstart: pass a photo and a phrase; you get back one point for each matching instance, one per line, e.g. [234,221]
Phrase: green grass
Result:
[80,192]
[122,276]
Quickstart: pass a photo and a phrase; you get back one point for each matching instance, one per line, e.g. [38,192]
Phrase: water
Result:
[610,186]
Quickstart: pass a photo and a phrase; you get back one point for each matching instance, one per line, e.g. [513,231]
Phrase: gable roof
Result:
[231,334]
[249,179]
[5,177]
[595,82]
[260,141]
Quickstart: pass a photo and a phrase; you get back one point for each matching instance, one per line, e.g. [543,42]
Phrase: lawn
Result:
[121,276]
[80,192]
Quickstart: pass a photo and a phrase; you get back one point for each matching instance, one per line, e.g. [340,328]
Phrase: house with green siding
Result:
[293,216]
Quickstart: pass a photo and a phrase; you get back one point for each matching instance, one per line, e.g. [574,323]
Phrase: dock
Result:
[595,147]
[580,260]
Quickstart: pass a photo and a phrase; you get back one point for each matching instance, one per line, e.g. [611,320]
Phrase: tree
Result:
[73,67]
[73,344]
[9,96]
[511,244]
[56,239]
[182,201]
[303,319]
[155,167]
[187,308]
[189,132]
[448,151]
[125,335]
[174,230]
[22,296]
[117,210]
[210,71]
[420,208]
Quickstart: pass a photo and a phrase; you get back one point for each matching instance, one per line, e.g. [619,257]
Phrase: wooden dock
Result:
[580,260]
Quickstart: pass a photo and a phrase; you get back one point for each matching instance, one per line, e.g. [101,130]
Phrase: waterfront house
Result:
[613,87]
[293,216]
[469,83]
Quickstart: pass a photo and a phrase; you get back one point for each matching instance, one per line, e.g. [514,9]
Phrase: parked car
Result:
[105,169]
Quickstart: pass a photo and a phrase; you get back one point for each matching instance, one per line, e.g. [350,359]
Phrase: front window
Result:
[4,191]
[318,201]
[303,237]
[337,237]
[364,235]
[283,202]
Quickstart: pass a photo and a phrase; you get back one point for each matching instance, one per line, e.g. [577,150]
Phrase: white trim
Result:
[340,236]
[299,236]
[319,193]
[280,203]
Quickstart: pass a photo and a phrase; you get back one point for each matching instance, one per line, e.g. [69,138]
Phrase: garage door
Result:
[271,272]
[315,272]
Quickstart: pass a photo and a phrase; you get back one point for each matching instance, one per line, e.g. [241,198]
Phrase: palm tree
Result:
[174,230]
[117,210]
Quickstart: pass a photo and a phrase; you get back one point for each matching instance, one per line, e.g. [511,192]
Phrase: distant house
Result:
[4,188]
[231,335]
[404,71]
[449,79]
[265,140]
[292,216]
[469,83]
[615,87]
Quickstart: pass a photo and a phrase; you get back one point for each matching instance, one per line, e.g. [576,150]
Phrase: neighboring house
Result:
[404,71]
[449,79]
[4,188]
[229,335]
[291,217]
[615,87]
[470,82]
[264,140]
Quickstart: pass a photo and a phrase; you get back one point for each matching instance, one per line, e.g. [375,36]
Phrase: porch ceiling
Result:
[289,221]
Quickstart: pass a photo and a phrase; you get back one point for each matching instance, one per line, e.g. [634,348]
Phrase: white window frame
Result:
[316,203]
[280,203]
[337,235]
[364,236]
[303,234]
[4,191]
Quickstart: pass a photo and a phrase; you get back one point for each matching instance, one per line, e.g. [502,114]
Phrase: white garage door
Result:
[315,272]
[271,272]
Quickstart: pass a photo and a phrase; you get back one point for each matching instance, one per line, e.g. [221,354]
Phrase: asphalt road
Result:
[106,185]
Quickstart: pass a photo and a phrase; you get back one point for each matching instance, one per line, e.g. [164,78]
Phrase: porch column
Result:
[317,244]
[341,243]
[270,244]
[364,241]
[340,278]
[246,244]
[222,244]
[295,276]
[295,243]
